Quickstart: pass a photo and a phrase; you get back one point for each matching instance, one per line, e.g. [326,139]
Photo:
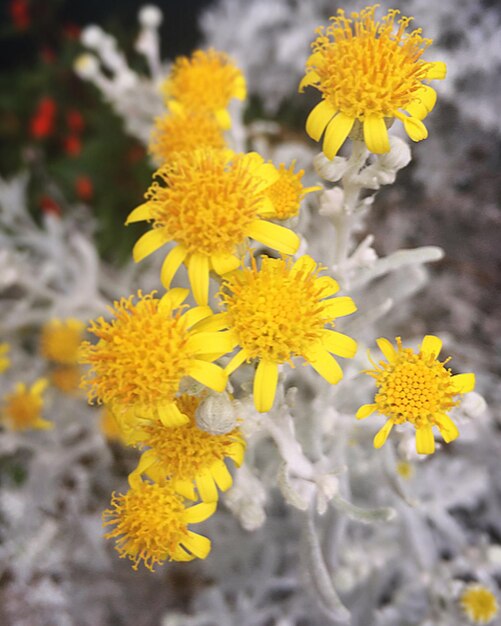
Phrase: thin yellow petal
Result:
[305,264]
[224,263]
[206,486]
[218,321]
[147,244]
[327,286]
[308,79]
[382,434]
[336,133]
[172,300]
[431,345]
[428,96]
[274,236]
[316,58]
[376,135]
[223,118]
[236,453]
[239,358]
[211,342]
[326,365]
[39,386]
[139,214]
[318,119]
[240,88]
[146,460]
[387,349]
[171,264]
[181,555]
[425,442]
[463,383]
[448,429]
[339,343]
[265,385]
[437,71]
[197,314]
[186,488]
[200,512]
[339,307]
[417,109]
[171,416]
[197,544]
[198,273]
[221,475]
[208,374]
[415,128]
[365,411]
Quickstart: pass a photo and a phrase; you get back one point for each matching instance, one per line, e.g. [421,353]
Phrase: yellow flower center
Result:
[177,133]
[286,193]
[366,69]
[149,523]
[208,203]
[22,409]
[61,340]
[413,388]
[275,312]
[206,81]
[479,604]
[140,357]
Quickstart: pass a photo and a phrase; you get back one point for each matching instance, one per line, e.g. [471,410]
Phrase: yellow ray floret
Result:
[184,132]
[416,388]
[287,192]
[189,456]
[22,409]
[4,359]
[369,72]
[207,81]
[150,525]
[61,339]
[280,311]
[145,351]
[479,604]
[210,202]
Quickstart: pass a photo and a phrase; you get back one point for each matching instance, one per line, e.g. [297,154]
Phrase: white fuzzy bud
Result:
[93,37]
[86,66]
[473,405]
[330,170]
[398,157]
[331,202]
[216,414]
[150,16]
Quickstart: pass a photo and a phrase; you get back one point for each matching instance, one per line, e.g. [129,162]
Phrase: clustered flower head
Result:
[22,408]
[479,604]
[369,72]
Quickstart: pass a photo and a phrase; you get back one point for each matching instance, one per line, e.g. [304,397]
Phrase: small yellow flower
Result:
[207,81]
[4,359]
[66,378]
[143,354]
[281,311]
[151,525]
[416,388]
[184,132]
[61,339]
[479,604]
[22,409]
[287,192]
[188,455]
[211,202]
[369,74]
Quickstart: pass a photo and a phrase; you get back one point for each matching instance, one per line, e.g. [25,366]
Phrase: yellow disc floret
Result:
[145,351]
[61,339]
[479,604]
[416,388]
[369,72]
[287,192]
[188,455]
[22,409]
[281,311]
[151,525]
[207,81]
[209,202]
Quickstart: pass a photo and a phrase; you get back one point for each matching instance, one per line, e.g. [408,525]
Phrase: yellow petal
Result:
[148,243]
[240,88]
[198,273]
[376,135]
[326,365]
[146,460]
[318,119]
[206,486]
[175,107]
[218,321]
[431,345]
[382,434]
[425,442]
[428,97]
[448,429]
[197,544]
[305,264]
[236,453]
[265,385]
[339,307]
[140,213]
[387,349]
[208,374]
[221,475]
[337,131]
[171,264]
[39,386]
[274,236]
[200,512]
[266,208]
[211,342]
[181,555]
[316,58]
[415,128]
[197,314]
[308,79]
[365,411]
[437,70]
[224,263]
[223,118]
[186,488]
[172,300]
[327,286]
[171,416]
[463,383]
[339,344]
[236,362]
[417,109]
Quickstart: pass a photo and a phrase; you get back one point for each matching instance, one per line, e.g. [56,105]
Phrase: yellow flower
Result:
[188,454]
[416,388]
[4,359]
[206,81]
[22,409]
[184,132]
[281,311]
[211,202]
[66,378]
[479,604]
[143,354]
[61,339]
[368,75]
[287,192]
[151,525]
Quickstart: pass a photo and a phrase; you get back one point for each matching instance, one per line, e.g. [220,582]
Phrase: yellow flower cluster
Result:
[59,344]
